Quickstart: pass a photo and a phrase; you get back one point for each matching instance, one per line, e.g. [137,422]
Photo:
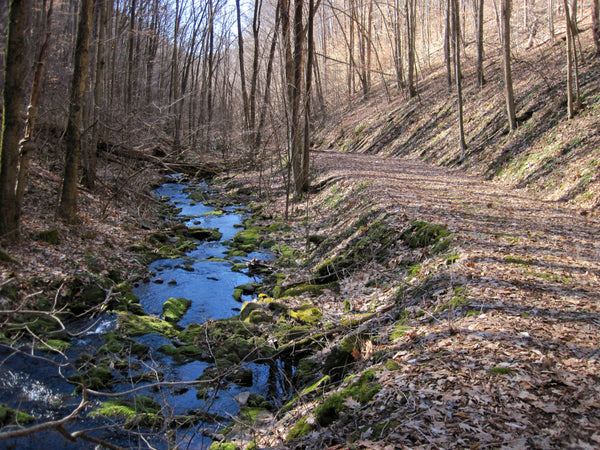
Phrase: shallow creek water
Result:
[205,277]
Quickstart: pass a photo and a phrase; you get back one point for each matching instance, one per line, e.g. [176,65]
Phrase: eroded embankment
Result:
[465,311]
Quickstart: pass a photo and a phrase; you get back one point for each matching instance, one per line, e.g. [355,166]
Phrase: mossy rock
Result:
[204,234]
[307,370]
[333,269]
[122,346]
[258,316]
[56,345]
[97,378]
[10,416]
[241,377]
[337,363]
[133,325]
[307,313]
[214,212]
[175,308]
[313,289]
[362,391]
[247,308]
[422,234]
[50,236]
[224,446]
[141,411]
[301,428]
[237,294]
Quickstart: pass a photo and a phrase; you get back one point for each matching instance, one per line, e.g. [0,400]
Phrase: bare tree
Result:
[508,83]
[12,123]
[27,145]
[68,203]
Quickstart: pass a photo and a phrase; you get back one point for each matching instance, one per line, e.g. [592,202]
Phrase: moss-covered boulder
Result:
[175,308]
[421,234]
[134,325]
[139,412]
[204,234]
[10,416]
[122,346]
[362,391]
[97,378]
[307,313]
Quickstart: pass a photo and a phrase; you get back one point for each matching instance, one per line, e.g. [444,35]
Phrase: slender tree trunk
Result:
[242,65]
[130,59]
[351,65]
[458,77]
[68,202]
[508,83]
[27,144]
[398,46]
[410,37]
[447,52]
[12,122]
[307,96]
[298,65]
[596,25]
[570,47]
[89,172]
[480,55]
[263,111]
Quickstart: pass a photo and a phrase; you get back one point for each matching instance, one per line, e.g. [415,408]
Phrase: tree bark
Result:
[508,83]
[410,38]
[596,25]
[458,77]
[67,209]
[12,123]
[27,144]
[570,47]
[480,55]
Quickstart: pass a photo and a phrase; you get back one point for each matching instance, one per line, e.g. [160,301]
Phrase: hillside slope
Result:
[557,158]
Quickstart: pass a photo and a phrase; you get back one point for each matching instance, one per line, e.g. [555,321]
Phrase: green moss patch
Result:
[10,416]
[56,345]
[175,308]
[361,391]
[141,411]
[421,234]
[204,234]
[133,325]
[301,429]
[307,313]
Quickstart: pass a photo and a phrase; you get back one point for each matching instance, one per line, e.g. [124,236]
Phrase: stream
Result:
[204,276]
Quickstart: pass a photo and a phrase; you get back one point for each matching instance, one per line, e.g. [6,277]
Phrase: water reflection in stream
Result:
[203,276]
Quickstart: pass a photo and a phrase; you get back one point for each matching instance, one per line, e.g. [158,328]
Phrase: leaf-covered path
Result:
[519,364]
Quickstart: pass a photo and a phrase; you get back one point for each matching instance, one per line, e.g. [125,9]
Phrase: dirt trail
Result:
[522,367]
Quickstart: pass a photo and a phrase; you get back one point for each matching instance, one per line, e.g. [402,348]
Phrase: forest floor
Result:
[497,348]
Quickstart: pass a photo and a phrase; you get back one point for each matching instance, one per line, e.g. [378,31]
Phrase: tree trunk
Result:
[263,111]
[12,122]
[480,55]
[130,48]
[398,46]
[596,25]
[298,65]
[89,172]
[309,67]
[27,144]
[68,202]
[447,53]
[242,64]
[410,38]
[458,77]
[508,84]
[570,47]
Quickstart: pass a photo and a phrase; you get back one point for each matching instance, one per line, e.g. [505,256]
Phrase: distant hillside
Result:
[557,158]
